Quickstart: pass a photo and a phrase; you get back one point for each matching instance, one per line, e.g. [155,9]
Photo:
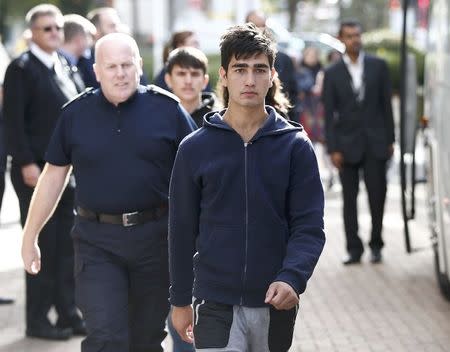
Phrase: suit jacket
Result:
[358,126]
[72,71]
[31,107]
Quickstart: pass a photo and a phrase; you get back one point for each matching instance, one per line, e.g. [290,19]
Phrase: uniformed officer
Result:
[121,140]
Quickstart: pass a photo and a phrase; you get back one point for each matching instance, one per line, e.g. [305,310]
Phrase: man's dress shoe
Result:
[6,300]
[49,332]
[351,259]
[375,256]
[77,325]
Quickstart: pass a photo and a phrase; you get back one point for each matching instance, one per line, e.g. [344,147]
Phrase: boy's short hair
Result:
[187,57]
[245,41]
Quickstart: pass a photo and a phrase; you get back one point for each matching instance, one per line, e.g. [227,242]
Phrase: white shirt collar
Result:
[356,70]
[359,61]
[47,59]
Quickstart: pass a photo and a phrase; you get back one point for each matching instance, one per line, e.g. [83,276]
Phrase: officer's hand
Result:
[281,295]
[31,256]
[182,319]
[30,174]
[337,159]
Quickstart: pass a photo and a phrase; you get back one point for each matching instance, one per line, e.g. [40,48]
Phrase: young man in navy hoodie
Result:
[245,212]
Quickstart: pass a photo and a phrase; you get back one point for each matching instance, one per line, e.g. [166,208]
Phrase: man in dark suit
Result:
[359,134]
[3,300]
[36,86]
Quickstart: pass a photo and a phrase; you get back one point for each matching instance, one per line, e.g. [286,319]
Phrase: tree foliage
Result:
[372,14]
[11,10]
[20,8]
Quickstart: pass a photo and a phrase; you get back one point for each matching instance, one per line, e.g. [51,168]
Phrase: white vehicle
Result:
[437,109]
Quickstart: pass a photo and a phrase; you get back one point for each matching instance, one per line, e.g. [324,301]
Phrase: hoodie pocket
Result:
[266,251]
[220,255]
[212,324]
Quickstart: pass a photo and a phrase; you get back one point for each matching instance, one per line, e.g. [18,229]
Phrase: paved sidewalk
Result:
[393,306]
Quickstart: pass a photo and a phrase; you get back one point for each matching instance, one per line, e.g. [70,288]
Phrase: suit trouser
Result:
[54,285]
[2,187]
[122,284]
[2,174]
[374,172]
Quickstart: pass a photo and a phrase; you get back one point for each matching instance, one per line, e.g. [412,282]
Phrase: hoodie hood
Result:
[207,105]
[274,124]
[208,101]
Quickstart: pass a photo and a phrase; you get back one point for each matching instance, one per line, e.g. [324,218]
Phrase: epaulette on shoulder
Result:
[23,59]
[151,88]
[88,91]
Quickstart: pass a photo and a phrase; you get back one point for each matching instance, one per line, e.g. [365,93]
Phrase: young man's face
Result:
[351,37]
[248,80]
[187,83]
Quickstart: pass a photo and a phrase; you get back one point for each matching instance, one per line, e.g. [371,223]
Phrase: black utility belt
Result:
[126,219]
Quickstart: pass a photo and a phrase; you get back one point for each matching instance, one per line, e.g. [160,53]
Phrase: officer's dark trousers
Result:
[121,279]
[374,171]
[54,285]
[2,187]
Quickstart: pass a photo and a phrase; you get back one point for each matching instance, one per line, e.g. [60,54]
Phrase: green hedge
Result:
[386,45]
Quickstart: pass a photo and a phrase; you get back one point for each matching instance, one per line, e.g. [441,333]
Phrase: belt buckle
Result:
[126,219]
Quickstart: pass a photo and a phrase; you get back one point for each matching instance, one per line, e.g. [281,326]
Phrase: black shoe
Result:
[351,259]
[49,332]
[6,300]
[77,325]
[375,256]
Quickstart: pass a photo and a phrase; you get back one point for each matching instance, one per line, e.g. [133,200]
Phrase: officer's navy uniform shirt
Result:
[122,156]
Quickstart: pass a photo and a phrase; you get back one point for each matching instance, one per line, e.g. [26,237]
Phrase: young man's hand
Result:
[337,159]
[281,295]
[182,322]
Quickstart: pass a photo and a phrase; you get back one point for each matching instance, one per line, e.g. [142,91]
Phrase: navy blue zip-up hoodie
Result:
[243,215]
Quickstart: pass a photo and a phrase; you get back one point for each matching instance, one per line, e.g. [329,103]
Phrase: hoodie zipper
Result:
[244,276]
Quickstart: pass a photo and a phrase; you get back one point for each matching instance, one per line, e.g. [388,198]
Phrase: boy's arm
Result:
[184,210]
[305,215]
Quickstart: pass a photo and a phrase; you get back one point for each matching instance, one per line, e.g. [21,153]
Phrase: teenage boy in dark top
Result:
[187,77]
[251,240]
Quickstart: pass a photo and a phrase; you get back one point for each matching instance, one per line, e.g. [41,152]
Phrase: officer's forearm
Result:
[46,195]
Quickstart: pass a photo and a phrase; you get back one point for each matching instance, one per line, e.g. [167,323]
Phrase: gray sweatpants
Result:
[220,327]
